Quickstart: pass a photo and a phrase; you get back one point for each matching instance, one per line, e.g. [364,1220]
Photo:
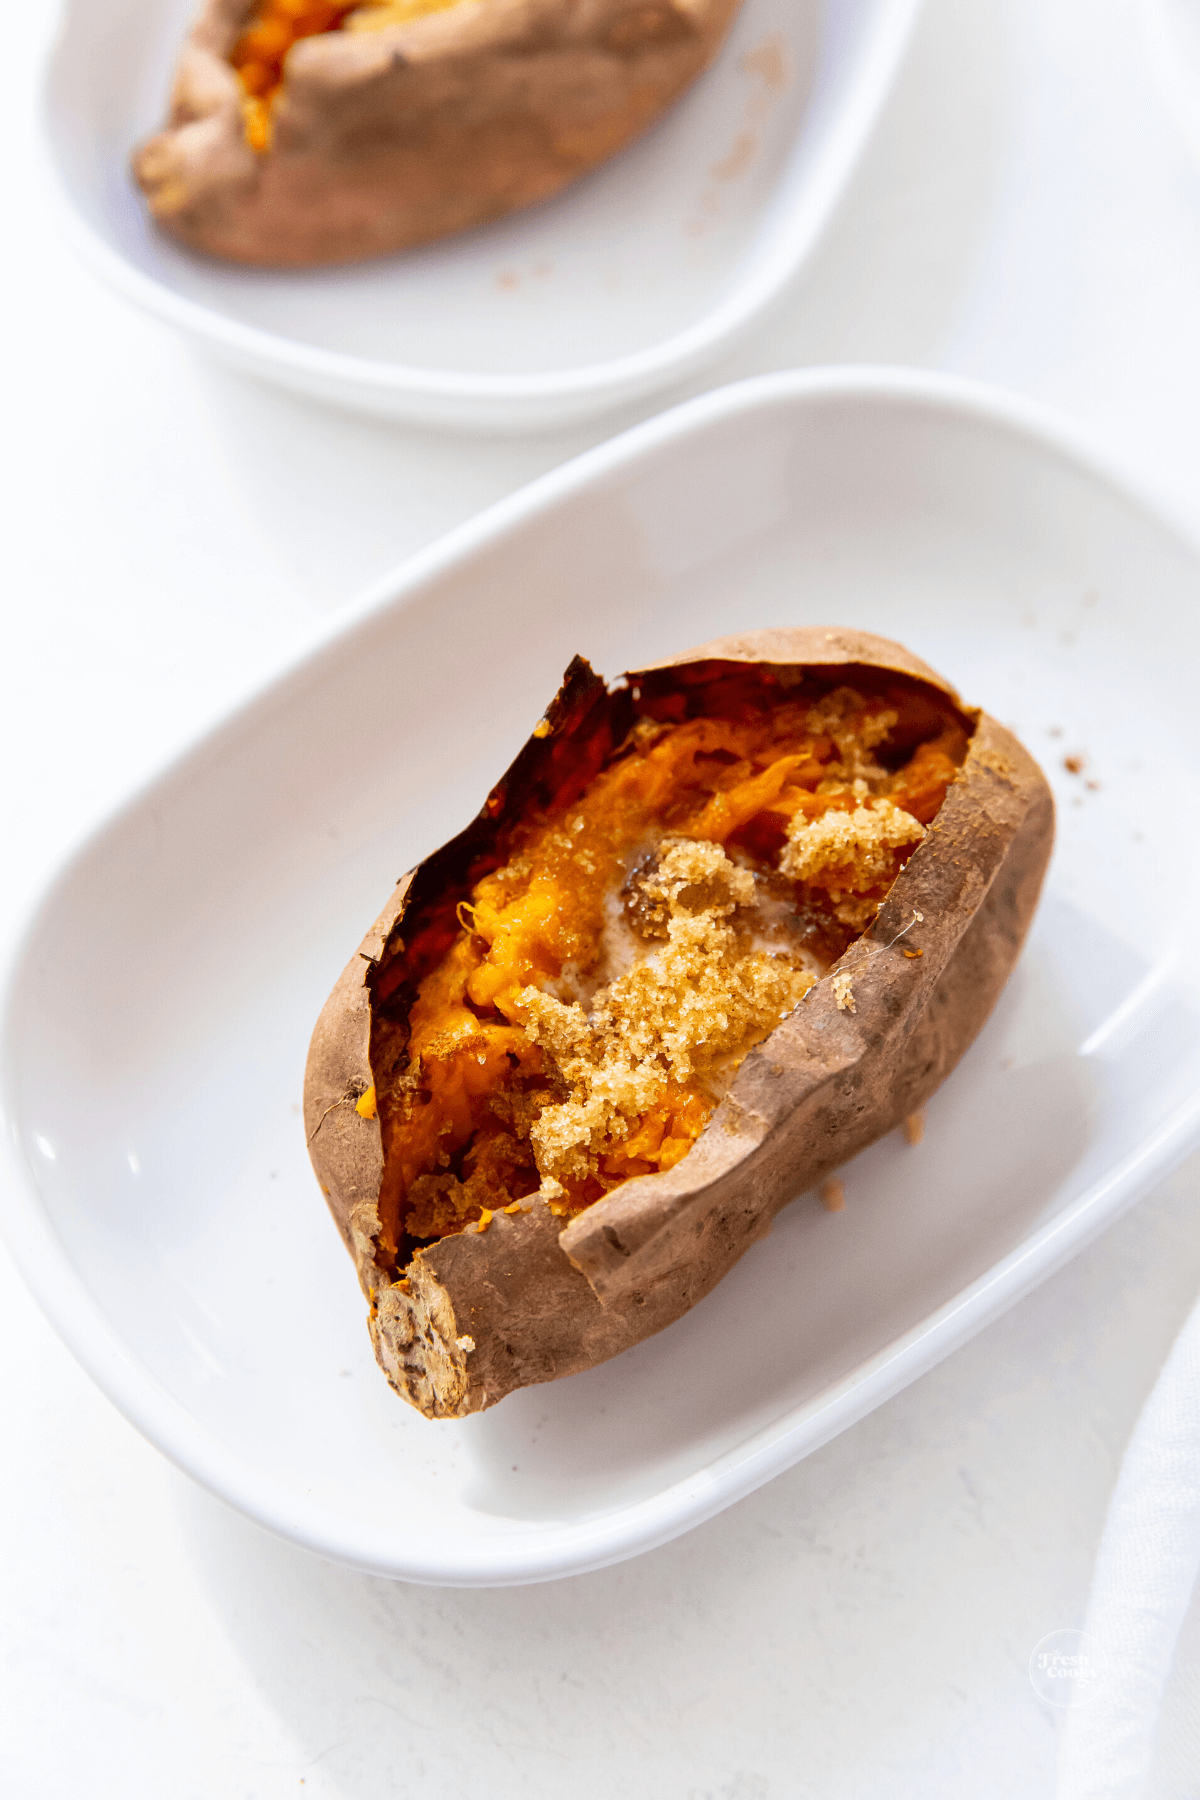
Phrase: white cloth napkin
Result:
[1134,1734]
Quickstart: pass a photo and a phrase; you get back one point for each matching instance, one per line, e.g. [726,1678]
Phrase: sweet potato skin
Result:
[388,139]
[482,1313]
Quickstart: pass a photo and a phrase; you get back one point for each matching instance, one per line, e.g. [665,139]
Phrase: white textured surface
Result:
[861,1628]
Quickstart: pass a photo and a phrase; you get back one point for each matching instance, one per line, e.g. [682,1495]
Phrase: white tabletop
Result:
[862,1627]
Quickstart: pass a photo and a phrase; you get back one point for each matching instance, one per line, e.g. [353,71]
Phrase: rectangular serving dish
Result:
[158,1194]
[632,279]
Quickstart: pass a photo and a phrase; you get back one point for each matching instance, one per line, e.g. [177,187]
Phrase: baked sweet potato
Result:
[717,929]
[304,132]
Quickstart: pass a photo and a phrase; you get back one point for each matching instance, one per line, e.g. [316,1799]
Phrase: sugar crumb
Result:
[697,1003]
[849,851]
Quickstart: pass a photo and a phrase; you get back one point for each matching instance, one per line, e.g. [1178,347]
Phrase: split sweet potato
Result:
[718,928]
[304,132]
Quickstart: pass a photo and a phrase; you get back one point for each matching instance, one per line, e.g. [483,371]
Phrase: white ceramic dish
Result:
[157,1191]
[630,281]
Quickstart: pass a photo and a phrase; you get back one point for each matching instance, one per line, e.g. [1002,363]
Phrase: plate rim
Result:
[504,402]
[552,1549]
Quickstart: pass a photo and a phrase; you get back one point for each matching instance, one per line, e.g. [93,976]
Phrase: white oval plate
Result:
[631,280]
[158,1194]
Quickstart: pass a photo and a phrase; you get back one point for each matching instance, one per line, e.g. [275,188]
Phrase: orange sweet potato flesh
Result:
[261,51]
[292,141]
[709,804]
[484,1272]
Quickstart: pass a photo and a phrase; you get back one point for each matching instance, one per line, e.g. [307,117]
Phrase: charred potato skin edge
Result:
[481,1314]
[387,139]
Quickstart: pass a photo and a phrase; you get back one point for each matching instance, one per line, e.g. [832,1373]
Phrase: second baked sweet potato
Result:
[304,132]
